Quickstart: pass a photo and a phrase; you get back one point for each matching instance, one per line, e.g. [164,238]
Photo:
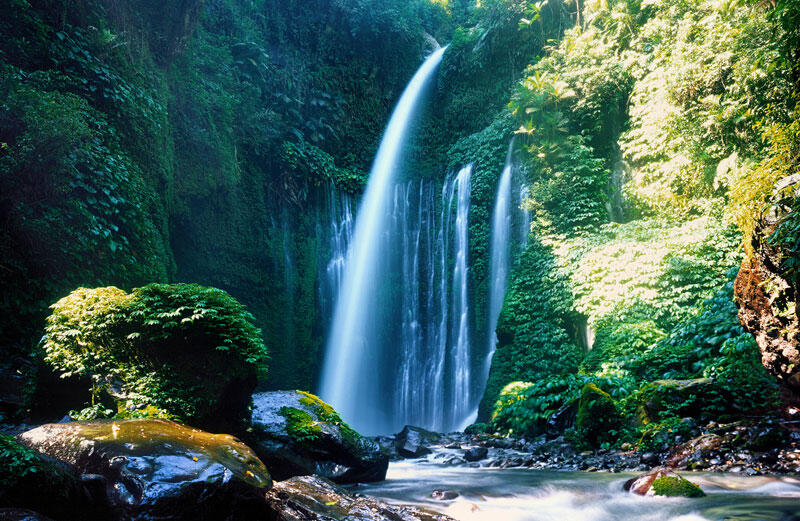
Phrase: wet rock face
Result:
[156,469]
[412,442]
[296,434]
[476,453]
[311,498]
[764,299]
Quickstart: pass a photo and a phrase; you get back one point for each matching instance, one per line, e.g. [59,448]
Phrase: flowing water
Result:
[499,252]
[424,371]
[353,355]
[535,495]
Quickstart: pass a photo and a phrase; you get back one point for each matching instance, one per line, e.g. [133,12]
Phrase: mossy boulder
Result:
[185,350]
[156,469]
[295,434]
[597,415]
[662,482]
[477,428]
[679,397]
[676,486]
[31,480]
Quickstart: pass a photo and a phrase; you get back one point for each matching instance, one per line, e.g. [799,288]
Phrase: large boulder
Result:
[296,434]
[311,498]
[412,442]
[597,415]
[156,469]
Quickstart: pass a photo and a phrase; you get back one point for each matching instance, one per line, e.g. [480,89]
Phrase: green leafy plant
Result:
[185,348]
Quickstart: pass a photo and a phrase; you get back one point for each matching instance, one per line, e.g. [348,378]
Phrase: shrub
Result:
[190,350]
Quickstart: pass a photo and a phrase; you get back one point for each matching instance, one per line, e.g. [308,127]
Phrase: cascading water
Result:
[505,217]
[462,400]
[431,375]
[499,255]
[336,229]
[351,377]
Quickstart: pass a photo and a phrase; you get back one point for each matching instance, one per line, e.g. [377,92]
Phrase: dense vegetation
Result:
[144,145]
[670,120]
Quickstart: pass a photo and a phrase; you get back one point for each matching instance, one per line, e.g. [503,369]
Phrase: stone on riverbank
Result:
[296,434]
[156,469]
[312,498]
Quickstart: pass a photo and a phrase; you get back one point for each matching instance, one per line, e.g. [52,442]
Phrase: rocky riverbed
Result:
[736,448]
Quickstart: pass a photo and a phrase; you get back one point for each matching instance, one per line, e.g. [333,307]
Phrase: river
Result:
[544,495]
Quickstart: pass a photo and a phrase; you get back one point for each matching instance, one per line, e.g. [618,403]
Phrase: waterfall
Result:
[335,229]
[351,376]
[461,404]
[500,251]
[432,373]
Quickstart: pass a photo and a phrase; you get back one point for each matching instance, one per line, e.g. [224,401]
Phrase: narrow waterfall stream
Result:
[499,255]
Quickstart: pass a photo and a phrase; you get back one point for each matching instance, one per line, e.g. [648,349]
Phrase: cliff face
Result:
[767,301]
[193,140]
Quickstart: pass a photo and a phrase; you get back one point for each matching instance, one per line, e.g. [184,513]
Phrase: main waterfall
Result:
[353,378]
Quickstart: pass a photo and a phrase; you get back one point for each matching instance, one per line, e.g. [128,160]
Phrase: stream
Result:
[537,495]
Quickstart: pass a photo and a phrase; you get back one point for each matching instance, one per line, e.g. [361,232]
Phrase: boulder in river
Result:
[412,442]
[157,469]
[475,453]
[663,482]
[312,498]
[296,434]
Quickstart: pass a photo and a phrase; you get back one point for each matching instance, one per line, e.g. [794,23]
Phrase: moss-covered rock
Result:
[157,469]
[597,415]
[679,397]
[295,433]
[663,482]
[676,486]
[184,350]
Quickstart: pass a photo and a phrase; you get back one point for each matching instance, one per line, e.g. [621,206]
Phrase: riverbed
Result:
[486,494]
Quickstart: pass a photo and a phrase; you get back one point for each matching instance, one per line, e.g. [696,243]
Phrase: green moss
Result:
[676,486]
[327,414]
[598,417]
[301,426]
[476,428]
